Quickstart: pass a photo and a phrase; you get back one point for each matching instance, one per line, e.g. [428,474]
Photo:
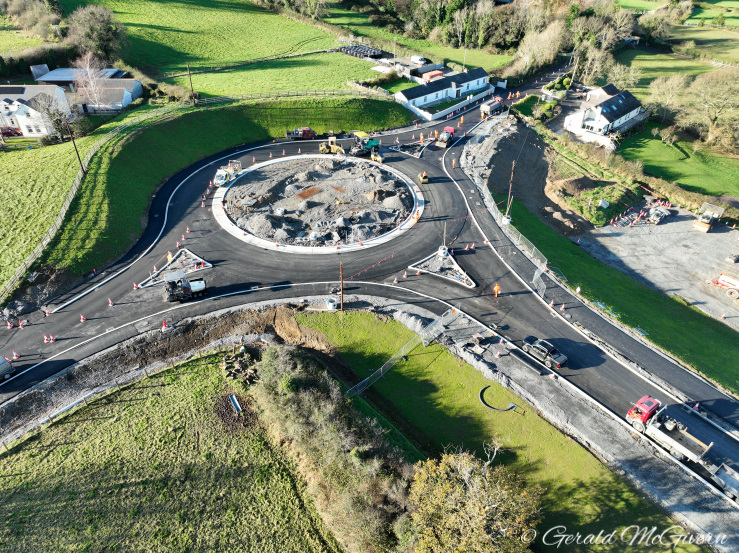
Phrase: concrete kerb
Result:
[152,279]
[415,267]
[221,215]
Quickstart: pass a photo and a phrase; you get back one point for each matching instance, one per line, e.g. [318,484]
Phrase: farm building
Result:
[110,95]
[605,112]
[65,77]
[23,107]
[446,88]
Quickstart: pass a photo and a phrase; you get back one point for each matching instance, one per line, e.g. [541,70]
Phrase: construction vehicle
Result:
[330,146]
[423,178]
[727,479]
[706,215]
[375,154]
[493,107]
[730,283]
[648,417]
[178,288]
[303,133]
[226,173]
[6,369]
[360,145]
[446,137]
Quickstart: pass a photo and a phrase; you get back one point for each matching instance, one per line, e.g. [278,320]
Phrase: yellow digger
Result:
[330,147]
[423,178]
[375,154]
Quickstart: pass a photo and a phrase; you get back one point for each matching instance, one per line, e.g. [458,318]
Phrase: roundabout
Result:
[318,204]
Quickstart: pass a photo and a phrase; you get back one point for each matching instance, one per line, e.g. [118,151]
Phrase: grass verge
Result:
[154,468]
[679,329]
[434,398]
[13,39]
[639,5]
[700,171]
[397,86]
[715,43]
[105,218]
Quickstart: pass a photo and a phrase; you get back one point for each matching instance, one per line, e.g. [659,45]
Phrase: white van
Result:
[418,60]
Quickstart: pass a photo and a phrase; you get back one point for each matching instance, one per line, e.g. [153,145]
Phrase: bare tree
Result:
[52,112]
[459,24]
[87,79]
[595,64]
[665,91]
[623,76]
[538,49]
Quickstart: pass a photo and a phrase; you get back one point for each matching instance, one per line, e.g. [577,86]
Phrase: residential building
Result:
[24,107]
[110,95]
[446,88]
[65,77]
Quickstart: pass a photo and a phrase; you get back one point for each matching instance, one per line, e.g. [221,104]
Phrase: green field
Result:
[711,8]
[105,219]
[154,468]
[718,44]
[639,5]
[314,72]
[655,65]
[164,36]
[359,24]
[13,39]
[434,398]
[397,86]
[699,171]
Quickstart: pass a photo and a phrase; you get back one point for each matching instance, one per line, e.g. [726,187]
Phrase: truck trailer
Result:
[446,137]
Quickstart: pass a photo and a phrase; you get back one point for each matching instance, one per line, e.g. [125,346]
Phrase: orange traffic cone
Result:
[254,159]
[551,303]
[21,324]
[283,151]
[15,355]
[360,242]
[473,246]
[497,355]
[82,318]
[164,326]
[178,245]
[46,339]
[723,316]
[466,247]
[110,302]
[562,308]
[270,154]
[405,274]
[52,339]
[10,325]
[210,183]
[182,236]
[298,150]
[207,190]
[47,312]
[202,204]
[155,268]
[135,286]
[419,272]
[395,280]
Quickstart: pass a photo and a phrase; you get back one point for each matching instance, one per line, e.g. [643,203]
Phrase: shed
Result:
[428,77]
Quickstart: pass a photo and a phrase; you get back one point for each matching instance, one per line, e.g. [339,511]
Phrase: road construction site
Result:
[320,201]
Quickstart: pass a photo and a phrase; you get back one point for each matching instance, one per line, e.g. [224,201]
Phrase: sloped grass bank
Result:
[434,398]
[105,219]
[159,466]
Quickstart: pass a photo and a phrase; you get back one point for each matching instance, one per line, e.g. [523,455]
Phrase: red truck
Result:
[304,133]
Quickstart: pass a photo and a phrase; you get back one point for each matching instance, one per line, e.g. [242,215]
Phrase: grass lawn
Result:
[13,39]
[681,330]
[436,400]
[715,43]
[657,65]
[164,36]
[709,9]
[639,5]
[153,468]
[314,72]
[700,171]
[397,86]
[33,186]
[105,219]
[359,24]
[526,106]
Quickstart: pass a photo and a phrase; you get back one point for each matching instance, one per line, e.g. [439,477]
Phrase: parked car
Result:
[10,131]
[544,352]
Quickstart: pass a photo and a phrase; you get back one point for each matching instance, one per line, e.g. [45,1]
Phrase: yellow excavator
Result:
[423,178]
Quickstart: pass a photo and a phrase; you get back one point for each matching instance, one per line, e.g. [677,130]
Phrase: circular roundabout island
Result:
[318,203]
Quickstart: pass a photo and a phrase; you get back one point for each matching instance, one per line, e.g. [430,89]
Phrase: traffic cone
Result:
[202,204]
[46,339]
[155,268]
[207,190]
[497,355]
[360,242]
[270,154]
[21,324]
[381,142]
[46,313]
[135,286]
[15,355]
[551,303]
[10,325]
[254,159]
[277,245]
[298,150]
[562,308]
[697,403]
[473,246]
[395,280]
[210,183]
[110,302]
[723,316]
[467,247]
[183,236]
[82,318]
[418,272]
[413,137]
[178,245]
[337,246]
[486,241]
[451,252]
[164,326]
[52,339]
[405,274]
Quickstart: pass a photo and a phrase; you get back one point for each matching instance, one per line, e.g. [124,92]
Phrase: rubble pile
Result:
[314,202]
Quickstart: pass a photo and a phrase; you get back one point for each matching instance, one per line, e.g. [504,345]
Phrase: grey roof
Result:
[128,84]
[106,96]
[67,75]
[619,105]
[442,84]
[25,93]
[608,89]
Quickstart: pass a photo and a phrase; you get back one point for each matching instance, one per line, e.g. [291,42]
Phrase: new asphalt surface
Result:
[243,273]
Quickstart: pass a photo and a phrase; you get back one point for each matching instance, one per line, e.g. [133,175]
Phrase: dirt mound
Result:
[233,422]
[574,186]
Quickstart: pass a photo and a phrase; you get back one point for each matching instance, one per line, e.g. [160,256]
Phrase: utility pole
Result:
[192,91]
[341,278]
[510,190]
[444,242]
[464,61]
[76,151]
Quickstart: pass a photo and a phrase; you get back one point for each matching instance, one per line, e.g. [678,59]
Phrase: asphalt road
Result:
[239,268]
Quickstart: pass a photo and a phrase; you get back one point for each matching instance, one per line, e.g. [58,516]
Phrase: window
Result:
[38,129]
[29,130]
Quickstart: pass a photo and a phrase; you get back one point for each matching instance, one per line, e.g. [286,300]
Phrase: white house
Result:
[604,112]
[112,95]
[23,107]
[446,88]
